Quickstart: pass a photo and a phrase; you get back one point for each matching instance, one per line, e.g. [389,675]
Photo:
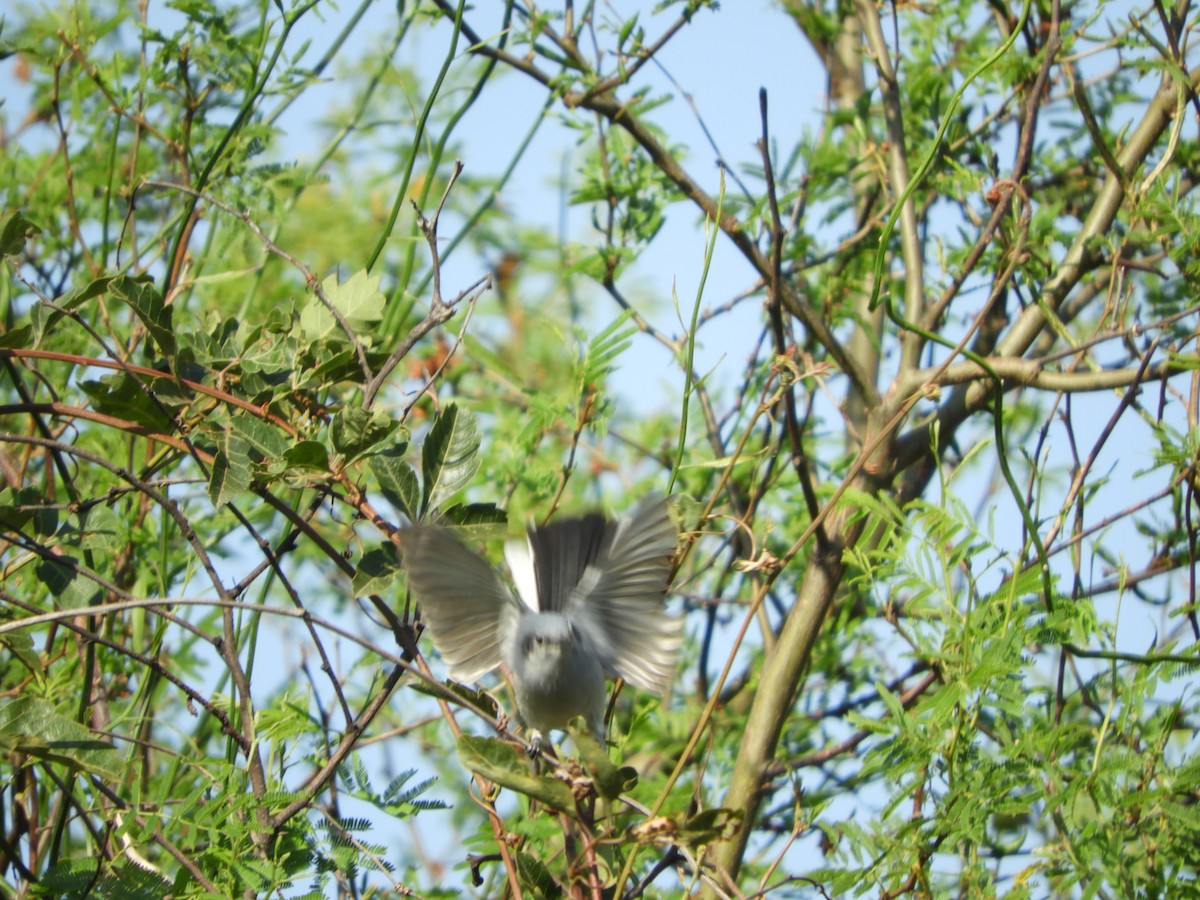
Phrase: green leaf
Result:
[18,337]
[376,572]
[15,229]
[102,531]
[20,506]
[121,397]
[317,323]
[358,299]
[536,878]
[354,430]
[20,645]
[307,455]
[261,437]
[499,762]
[626,30]
[76,879]
[30,725]
[449,456]
[398,481]
[610,780]
[232,473]
[341,366]
[605,347]
[72,589]
[477,521]
[147,304]
[45,317]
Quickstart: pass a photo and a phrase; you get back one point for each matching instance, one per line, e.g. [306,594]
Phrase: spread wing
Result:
[466,607]
[621,595]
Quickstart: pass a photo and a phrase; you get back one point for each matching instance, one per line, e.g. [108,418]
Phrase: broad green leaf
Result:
[358,299]
[18,337]
[121,397]
[22,506]
[15,229]
[232,473]
[262,437]
[307,455]
[21,646]
[72,589]
[32,726]
[147,303]
[355,431]
[536,877]
[498,761]
[449,456]
[317,323]
[477,521]
[398,481]
[45,318]
[376,572]
[341,366]
[101,530]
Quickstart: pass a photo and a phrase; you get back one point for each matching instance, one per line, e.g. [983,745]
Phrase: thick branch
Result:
[1017,371]
[781,677]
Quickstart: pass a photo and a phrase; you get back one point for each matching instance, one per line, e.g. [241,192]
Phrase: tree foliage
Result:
[937,504]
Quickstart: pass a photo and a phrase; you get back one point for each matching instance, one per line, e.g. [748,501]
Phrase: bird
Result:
[589,605]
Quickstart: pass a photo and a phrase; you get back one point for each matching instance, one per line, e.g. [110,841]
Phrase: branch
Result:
[439,309]
[898,174]
[1020,372]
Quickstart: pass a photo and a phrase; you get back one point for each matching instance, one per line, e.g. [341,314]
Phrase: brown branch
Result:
[262,412]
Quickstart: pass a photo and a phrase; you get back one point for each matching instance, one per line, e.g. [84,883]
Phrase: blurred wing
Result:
[621,597]
[464,604]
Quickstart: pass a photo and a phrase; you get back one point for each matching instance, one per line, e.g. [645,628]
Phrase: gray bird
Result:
[591,606]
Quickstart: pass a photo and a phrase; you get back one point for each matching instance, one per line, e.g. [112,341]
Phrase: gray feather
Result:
[621,598]
[562,552]
[468,610]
